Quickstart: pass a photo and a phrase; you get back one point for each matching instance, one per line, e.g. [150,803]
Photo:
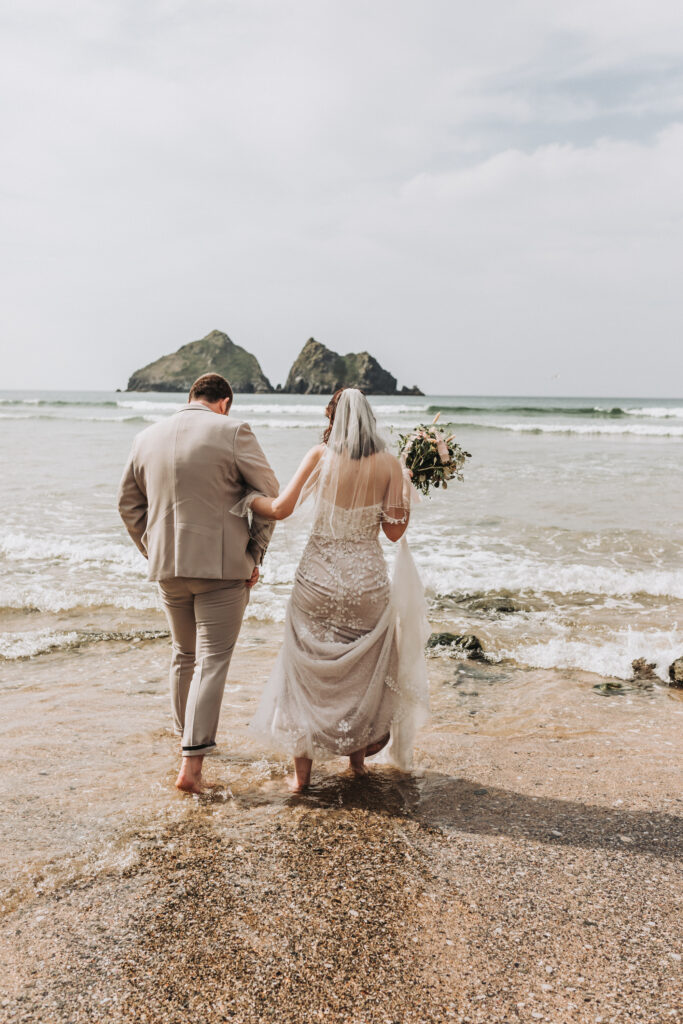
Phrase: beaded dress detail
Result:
[351,667]
[339,681]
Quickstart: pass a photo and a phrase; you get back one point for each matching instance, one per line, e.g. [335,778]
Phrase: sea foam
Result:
[611,659]
[22,547]
[597,427]
[483,572]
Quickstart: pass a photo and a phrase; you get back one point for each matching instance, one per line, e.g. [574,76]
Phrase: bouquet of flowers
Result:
[431,458]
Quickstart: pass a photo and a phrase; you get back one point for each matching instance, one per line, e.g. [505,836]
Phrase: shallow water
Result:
[569,509]
[562,551]
[92,757]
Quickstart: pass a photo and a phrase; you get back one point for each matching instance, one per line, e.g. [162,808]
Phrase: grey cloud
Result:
[380,175]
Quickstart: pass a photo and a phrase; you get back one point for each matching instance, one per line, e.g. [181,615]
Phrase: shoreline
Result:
[525,871]
[33,633]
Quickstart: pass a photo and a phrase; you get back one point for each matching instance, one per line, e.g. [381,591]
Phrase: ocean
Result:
[563,547]
[562,551]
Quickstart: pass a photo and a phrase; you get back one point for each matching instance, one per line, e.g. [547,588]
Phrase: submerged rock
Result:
[612,687]
[318,370]
[643,669]
[468,643]
[676,673]
[504,605]
[215,353]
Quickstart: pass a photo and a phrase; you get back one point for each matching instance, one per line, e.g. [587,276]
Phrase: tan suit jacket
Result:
[183,477]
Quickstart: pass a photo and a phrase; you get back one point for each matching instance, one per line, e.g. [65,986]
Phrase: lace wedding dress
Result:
[352,665]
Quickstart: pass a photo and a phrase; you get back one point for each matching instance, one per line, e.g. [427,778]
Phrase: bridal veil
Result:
[352,664]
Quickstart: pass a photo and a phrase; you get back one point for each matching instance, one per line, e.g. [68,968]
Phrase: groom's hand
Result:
[253,579]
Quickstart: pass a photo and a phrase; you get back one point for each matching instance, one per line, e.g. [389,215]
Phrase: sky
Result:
[487,197]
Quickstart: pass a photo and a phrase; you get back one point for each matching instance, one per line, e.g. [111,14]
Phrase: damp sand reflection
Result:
[539,827]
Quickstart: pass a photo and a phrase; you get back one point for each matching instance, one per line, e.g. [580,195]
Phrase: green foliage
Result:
[431,457]
[215,353]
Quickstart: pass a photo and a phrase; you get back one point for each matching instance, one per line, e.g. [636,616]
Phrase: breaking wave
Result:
[29,644]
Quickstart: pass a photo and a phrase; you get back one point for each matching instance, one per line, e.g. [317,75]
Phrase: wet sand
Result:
[529,869]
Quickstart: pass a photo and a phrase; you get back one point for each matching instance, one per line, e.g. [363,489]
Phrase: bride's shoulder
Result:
[312,458]
[315,453]
[389,462]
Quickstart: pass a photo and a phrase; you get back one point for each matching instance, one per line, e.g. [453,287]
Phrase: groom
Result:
[183,477]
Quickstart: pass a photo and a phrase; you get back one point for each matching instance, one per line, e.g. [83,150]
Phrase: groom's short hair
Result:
[211,387]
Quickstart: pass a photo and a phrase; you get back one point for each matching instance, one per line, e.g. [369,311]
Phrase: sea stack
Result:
[215,353]
[318,370]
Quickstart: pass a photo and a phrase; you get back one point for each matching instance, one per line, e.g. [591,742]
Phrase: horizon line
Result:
[428,394]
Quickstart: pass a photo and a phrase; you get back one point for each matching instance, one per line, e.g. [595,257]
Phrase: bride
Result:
[350,678]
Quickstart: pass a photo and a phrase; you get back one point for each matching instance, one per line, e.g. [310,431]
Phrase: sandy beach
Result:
[523,872]
[469,214]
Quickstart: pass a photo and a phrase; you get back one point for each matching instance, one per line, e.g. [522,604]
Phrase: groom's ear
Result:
[227,402]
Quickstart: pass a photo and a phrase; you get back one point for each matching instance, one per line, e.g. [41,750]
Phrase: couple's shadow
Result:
[452,804]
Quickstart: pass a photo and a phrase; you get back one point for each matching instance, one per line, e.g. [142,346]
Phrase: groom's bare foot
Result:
[294,786]
[190,776]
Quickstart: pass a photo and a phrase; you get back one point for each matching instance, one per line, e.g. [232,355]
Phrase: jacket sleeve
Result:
[133,504]
[257,474]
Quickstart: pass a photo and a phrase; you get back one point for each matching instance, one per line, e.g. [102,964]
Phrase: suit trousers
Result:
[204,617]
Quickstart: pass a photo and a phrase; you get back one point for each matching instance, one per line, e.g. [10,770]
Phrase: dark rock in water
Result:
[318,370]
[411,391]
[215,353]
[612,688]
[468,643]
[505,605]
[676,673]
[643,669]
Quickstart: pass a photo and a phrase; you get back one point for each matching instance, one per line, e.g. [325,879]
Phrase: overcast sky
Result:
[488,197]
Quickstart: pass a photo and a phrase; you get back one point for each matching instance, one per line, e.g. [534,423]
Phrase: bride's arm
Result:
[396,504]
[284,504]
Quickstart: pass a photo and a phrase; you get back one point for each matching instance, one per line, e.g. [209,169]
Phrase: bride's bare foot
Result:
[190,776]
[294,786]
[357,762]
[374,748]
[301,778]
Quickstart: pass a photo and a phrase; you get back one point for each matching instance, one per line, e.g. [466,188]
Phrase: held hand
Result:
[253,579]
